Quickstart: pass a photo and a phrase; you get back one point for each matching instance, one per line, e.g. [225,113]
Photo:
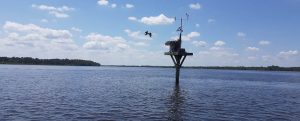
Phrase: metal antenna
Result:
[180,28]
[187,16]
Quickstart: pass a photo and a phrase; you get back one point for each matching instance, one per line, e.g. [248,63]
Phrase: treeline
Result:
[36,61]
[268,68]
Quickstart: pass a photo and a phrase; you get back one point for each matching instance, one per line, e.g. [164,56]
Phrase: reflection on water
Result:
[176,104]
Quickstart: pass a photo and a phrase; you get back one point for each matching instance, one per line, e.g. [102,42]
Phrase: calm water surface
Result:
[114,93]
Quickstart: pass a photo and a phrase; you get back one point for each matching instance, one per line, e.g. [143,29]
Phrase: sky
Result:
[111,32]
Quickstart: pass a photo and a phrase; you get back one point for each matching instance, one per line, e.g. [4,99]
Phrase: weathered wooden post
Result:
[176,52]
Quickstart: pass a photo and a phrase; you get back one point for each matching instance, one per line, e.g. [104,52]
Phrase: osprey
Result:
[148,33]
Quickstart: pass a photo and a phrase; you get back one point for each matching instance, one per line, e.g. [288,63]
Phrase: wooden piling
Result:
[177,74]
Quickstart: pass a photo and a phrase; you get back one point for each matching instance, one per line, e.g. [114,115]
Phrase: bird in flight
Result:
[148,33]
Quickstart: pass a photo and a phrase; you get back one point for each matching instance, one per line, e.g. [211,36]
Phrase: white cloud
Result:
[103,42]
[264,42]
[103,2]
[95,45]
[76,29]
[241,34]
[252,49]
[141,44]
[190,36]
[217,53]
[187,37]
[216,58]
[44,21]
[252,58]
[288,53]
[106,3]
[113,5]
[59,12]
[266,58]
[211,20]
[197,25]
[137,35]
[132,18]
[52,8]
[199,43]
[33,36]
[215,48]
[129,6]
[31,28]
[195,6]
[157,20]
[204,53]
[219,43]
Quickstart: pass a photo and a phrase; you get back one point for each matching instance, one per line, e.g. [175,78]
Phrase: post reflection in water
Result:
[175,105]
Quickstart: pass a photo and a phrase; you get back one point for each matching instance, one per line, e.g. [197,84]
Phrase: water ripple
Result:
[111,93]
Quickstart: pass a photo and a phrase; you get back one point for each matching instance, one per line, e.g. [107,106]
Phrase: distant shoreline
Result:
[261,68]
[78,62]
[37,61]
[269,68]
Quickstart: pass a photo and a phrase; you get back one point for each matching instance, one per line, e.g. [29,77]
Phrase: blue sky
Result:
[219,33]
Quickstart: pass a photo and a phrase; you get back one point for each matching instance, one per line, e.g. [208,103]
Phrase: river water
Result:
[140,93]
